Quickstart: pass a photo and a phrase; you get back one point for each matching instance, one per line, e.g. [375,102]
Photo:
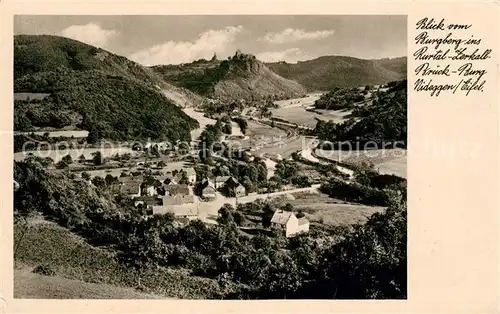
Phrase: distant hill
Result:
[93,89]
[325,73]
[241,76]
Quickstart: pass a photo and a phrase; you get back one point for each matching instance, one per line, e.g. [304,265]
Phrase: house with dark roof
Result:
[208,189]
[220,181]
[287,223]
[231,186]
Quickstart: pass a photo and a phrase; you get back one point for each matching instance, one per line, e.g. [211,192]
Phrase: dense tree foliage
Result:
[107,95]
[385,121]
[369,263]
[339,98]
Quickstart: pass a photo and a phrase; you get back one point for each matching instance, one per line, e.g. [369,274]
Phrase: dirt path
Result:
[208,211]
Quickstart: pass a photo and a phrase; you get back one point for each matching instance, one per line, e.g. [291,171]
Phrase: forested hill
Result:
[385,120]
[327,72]
[93,89]
[241,76]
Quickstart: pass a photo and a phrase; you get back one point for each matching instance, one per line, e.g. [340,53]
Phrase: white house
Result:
[149,190]
[288,223]
[182,206]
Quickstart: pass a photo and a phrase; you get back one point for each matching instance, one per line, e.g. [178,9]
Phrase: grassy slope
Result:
[87,81]
[326,72]
[28,285]
[75,263]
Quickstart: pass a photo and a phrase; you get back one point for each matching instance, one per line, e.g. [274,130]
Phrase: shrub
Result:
[44,269]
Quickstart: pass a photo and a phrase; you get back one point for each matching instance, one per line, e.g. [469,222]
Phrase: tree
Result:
[97,158]
[82,158]
[99,182]
[61,164]
[67,159]
[239,218]
[109,179]
[226,119]
[228,129]
[47,161]
[371,261]
[85,176]
[288,207]
[184,178]
[226,215]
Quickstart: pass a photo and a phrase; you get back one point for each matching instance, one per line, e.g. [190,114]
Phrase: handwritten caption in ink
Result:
[450,58]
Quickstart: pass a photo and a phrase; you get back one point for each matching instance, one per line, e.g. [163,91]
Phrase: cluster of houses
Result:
[170,192]
[173,193]
[232,186]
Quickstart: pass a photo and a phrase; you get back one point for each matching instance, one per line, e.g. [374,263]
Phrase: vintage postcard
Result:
[276,157]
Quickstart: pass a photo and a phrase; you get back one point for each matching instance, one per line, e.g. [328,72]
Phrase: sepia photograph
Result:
[226,157]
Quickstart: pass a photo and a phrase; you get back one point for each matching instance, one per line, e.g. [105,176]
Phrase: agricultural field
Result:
[281,149]
[321,208]
[301,116]
[386,161]
[301,111]
[259,134]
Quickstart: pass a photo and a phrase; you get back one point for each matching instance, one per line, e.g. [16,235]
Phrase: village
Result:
[176,178]
[235,175]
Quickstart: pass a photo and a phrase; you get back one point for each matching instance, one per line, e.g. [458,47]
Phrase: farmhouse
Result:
[220,181]
[231,184]
[287,223]
[207,189]
[240,191]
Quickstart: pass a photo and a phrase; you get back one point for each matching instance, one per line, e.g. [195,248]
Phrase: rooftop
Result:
[131,187]
[303,221]
[177,189]
[178,200]
[281,217]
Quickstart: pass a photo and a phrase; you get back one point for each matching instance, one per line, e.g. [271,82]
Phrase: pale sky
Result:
[152,40]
